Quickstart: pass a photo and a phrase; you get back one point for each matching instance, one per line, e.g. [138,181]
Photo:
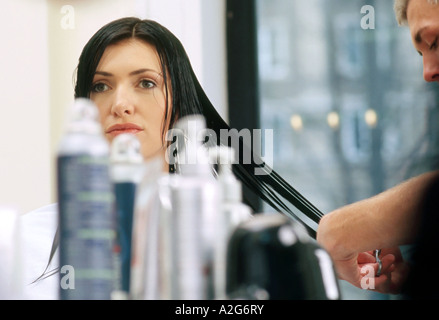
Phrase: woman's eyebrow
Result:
[103,73]
[133,73]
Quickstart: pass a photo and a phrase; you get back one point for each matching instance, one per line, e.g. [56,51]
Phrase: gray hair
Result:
[400,7]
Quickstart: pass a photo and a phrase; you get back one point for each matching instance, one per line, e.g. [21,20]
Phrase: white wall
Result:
[24,100]
[40,49]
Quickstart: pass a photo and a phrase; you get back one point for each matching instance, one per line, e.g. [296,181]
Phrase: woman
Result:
[174,91]
[140,77]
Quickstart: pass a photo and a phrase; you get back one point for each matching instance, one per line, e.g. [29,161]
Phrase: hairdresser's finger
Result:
[382,283]
[387,262]
[365,257]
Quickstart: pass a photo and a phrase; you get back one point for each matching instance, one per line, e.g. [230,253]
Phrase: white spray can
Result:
[195,199]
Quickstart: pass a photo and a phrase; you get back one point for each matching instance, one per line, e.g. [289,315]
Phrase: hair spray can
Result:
[195,200]
[86,214]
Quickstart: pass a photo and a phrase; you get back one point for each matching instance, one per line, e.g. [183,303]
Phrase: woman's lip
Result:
[123,128]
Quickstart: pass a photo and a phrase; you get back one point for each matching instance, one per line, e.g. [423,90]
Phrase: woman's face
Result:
[129,90]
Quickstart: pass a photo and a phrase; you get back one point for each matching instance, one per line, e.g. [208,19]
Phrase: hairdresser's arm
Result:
[387,220]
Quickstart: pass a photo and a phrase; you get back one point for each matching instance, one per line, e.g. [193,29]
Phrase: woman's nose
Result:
[123,104]
[431,67]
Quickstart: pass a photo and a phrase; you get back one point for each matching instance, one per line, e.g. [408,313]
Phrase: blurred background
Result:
[345,96]
[340,85]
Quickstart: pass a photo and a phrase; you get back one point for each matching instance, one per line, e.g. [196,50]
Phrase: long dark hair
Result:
[189,98]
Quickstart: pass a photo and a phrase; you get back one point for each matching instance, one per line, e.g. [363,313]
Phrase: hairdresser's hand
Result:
[396,274]
[361,269]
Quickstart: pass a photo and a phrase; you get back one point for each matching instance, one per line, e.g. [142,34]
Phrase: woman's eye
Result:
[100,87]
[146,84]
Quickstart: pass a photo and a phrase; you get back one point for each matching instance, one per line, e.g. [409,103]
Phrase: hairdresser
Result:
[404,214]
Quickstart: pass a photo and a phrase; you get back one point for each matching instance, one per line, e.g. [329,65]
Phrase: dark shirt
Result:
[423,279]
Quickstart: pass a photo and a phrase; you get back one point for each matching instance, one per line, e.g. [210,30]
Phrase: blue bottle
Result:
[126,173]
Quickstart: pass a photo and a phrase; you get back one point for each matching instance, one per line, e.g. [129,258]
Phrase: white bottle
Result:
[233,212]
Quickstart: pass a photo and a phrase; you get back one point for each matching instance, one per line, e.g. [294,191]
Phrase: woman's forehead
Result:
[131,54]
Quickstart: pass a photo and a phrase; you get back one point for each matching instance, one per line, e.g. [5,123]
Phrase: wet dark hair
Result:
[188,98]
